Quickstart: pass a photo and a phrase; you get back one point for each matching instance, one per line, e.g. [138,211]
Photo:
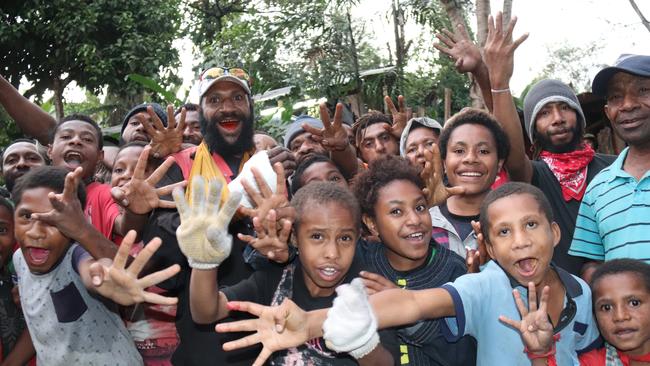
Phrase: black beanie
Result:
[157,108]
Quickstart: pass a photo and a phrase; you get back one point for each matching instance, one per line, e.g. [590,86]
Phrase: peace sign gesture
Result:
[332,136]
[435,190]
[164,140]
[400,116]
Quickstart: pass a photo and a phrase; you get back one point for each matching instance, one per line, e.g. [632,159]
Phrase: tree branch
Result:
[644,21]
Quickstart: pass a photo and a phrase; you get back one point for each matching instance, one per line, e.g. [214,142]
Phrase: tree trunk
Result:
[355,57]
[482,13]
[58,87]
[644,21]
[507,11]
[398,21]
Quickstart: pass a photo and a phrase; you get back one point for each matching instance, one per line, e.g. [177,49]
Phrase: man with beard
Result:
[17,159]
[563,166]
[226,120]
[613,221]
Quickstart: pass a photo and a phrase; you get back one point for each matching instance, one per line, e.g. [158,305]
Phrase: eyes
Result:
[318,236]
[632,303]
[506,231]
[87,139]
[396,211]
[462,151]
[218,100]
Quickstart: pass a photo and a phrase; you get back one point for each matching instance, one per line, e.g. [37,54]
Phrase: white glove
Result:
[351,325]
[203,233]
[262,163]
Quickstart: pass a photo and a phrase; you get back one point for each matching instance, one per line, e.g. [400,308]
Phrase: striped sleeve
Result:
[587,241]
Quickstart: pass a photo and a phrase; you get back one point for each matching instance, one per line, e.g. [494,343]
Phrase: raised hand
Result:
[67,214]
[270,241]
[500,49]
[461,49]
[285,157]
[276,327]
[535,328]
[332,136]
[140,194]
[475,258]
[264,198]
[435,190]
[164,140]
[203,233]
[114,281]
[400,116]
[376,283]
[351,325]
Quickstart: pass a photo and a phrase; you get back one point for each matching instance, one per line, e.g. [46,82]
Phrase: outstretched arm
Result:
[204,239]
[499,57]
[29,117]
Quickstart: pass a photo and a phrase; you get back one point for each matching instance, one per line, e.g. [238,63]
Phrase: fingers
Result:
[157,299]
[123,251]
[519,41]
[246,238]
[71,183]
[252,193]
[146,124]
[164,191]
[390,105]
[490,25]
[532,297]
[198,194]
[513,323]
[157,123]
[171,119]
[338,115]
[441,48]
[498,23]
[261,183]
[160,172]
[181,124]
[143,257]
[97,273]
[214,197]
[285,231]
[401,103]
[228,209]
[324,116]
[543,300]
[158,277]
[141,165]
[455,191]
[315,131]
[181,203]
[247,307]
[263,356]
[520,303]
[280,179]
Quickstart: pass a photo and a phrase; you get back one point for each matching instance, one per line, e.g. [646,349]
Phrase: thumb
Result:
[454,191]
[96,272]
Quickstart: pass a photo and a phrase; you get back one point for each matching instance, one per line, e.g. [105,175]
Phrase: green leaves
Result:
[154,86]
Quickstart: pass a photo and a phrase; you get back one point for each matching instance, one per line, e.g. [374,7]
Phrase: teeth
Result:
[329,271]
[73,156]
[415,236]
[471,174]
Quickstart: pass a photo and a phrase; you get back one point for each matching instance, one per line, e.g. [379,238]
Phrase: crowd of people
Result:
[394,240]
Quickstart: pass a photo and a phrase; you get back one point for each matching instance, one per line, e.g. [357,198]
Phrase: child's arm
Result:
[112,280]
[22,352]
[204,239]
[67,216]
[535,328]
[29,117]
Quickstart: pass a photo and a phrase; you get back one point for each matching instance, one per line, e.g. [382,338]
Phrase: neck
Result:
[314,289]
[401,263]
[551,279]
[637,161]
[466,205]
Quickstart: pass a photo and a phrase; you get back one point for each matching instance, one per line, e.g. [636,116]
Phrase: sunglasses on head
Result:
[215,72]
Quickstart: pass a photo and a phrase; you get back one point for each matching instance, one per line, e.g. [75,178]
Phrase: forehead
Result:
[225,87]
[131,153]
[20,148]
[77,126]
[190,116]
[375,130]
[471,134]
[621,79]
[325,214]
[402,189]
[420,133]
[622,283]
[500,211]
[320,168]
[35,200]
[142,114]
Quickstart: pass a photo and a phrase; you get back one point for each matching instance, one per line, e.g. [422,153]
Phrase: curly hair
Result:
[381,172]
[321,193]
[473,116]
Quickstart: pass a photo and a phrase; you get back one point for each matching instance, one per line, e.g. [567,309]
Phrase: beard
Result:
[546,143]
[216,142]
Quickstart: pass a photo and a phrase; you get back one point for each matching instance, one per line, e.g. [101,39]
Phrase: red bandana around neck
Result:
[570,169]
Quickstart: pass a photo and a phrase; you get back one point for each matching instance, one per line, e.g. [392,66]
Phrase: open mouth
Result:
[329,273]
[417,236]
[470,174]
[527,266]
[73,158]
[229,124]
[38,255]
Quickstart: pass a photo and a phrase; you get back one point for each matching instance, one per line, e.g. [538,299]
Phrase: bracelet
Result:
[498,91]
[551,352]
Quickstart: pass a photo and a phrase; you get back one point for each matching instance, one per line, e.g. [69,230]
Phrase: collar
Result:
[571,284]
[616,168]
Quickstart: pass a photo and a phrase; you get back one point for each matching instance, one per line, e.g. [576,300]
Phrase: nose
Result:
[412,217]
[557,115]
[470,157]
[75,140]
[36,230]
[380,146]
[420,151]
[331,250]
[620,313]
[521,239]
[630,101]
[187,132]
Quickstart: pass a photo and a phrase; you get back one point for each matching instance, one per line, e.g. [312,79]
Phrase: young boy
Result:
[621,289]
[325,232]
[67,323]
[521,244]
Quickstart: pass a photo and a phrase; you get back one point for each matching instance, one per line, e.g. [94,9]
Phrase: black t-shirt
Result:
[199,343]
[462,224]
[565,212]
[265,287]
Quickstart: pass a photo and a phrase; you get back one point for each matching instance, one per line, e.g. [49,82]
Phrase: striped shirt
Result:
[614,218]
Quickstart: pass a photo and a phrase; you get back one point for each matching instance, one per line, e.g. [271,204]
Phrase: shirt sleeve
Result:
[467,293]
[590,339]
[78,254]
[586,238]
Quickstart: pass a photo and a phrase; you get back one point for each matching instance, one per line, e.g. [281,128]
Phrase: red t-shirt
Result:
[101,209]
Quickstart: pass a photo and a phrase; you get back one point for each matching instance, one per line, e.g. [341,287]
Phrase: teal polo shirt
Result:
[614,217]
[480,298]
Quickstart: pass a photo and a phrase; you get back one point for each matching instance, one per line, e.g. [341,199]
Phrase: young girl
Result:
[325,231]
[152,327]
[473,148]
[394,208]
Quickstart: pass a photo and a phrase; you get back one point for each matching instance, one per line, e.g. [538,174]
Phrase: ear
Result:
[49,152]
[500,165]
[370,224]
[607,113]
[557,234]
[489,248]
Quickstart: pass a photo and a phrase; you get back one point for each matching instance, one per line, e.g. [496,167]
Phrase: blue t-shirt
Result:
[479,300]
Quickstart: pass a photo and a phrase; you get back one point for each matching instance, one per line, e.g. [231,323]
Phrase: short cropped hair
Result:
[82,118]
[473,116]
[322,193]
[6,203]
[296,181]
[189,107]
[381,172]
[623,265]
[47,177]
[507,190]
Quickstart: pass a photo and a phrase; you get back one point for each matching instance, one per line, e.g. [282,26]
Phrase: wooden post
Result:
[447,103]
